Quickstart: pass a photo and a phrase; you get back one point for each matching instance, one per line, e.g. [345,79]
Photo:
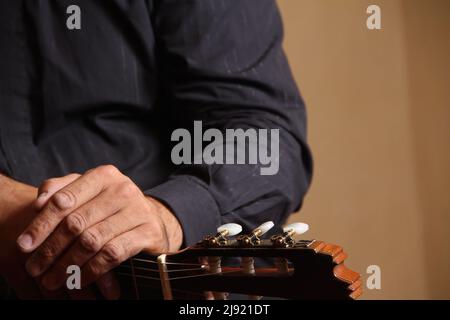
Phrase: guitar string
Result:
[182,277]
[177,278]
[202,267]
[173,263]
[199,265]
[205,275]
[135,285]
[136,291]
[135,276]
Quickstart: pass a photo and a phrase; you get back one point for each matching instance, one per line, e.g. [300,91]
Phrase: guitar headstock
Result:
[248,264]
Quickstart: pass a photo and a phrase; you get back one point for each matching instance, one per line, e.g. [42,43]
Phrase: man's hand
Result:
[18,208]
[96,222]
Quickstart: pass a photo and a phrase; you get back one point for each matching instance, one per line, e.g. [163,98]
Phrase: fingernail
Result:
[42,195]
[25,241]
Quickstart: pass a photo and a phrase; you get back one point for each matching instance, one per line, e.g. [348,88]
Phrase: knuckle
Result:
[63,200]
[152,239]
[90,240]
[74,175]
[52,208]
[112,253]
[90,212]
[47,252]
[41,225]
[108,170]
[94,269]
[75,224]
[128,189]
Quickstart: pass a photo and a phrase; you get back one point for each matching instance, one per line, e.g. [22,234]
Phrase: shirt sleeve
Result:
[222,63]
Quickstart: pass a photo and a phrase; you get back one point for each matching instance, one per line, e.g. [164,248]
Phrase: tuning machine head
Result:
[223,232]
[254,238]
[287,238]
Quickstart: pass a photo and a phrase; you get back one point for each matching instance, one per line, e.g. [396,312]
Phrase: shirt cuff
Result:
[192,204]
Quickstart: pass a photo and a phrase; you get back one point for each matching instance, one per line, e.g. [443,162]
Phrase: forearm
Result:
[14,195]
[4,181]
[5,187]
[238,78]
[205,196]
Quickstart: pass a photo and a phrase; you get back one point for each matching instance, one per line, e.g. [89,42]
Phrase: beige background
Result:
[379,115]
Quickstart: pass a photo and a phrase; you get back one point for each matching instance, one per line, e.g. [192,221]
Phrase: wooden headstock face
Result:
[315,271]
[312,270]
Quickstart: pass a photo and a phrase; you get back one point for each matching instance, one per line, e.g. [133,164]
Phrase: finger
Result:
[49,187]
[89,243]
[101,207]
[115,252]
[63,203]
[109,286]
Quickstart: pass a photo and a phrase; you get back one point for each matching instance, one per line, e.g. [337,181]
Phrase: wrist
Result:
[172,225]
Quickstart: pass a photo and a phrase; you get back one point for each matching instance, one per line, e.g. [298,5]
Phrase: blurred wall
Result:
[379,115]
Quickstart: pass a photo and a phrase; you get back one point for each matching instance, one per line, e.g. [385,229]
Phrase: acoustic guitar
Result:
[226,266]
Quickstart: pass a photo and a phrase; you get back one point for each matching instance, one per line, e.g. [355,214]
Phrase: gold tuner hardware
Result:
[287,238]
[254,238]
[223,232]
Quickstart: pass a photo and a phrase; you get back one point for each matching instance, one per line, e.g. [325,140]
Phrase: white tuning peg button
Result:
[297,227]
[231,229]
[266,226]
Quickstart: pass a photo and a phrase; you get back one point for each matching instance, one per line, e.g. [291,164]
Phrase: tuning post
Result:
[223,232]
[287,238]
[254,238]
[220,239]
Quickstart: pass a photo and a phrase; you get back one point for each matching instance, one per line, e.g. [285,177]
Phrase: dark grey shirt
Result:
[113,91]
